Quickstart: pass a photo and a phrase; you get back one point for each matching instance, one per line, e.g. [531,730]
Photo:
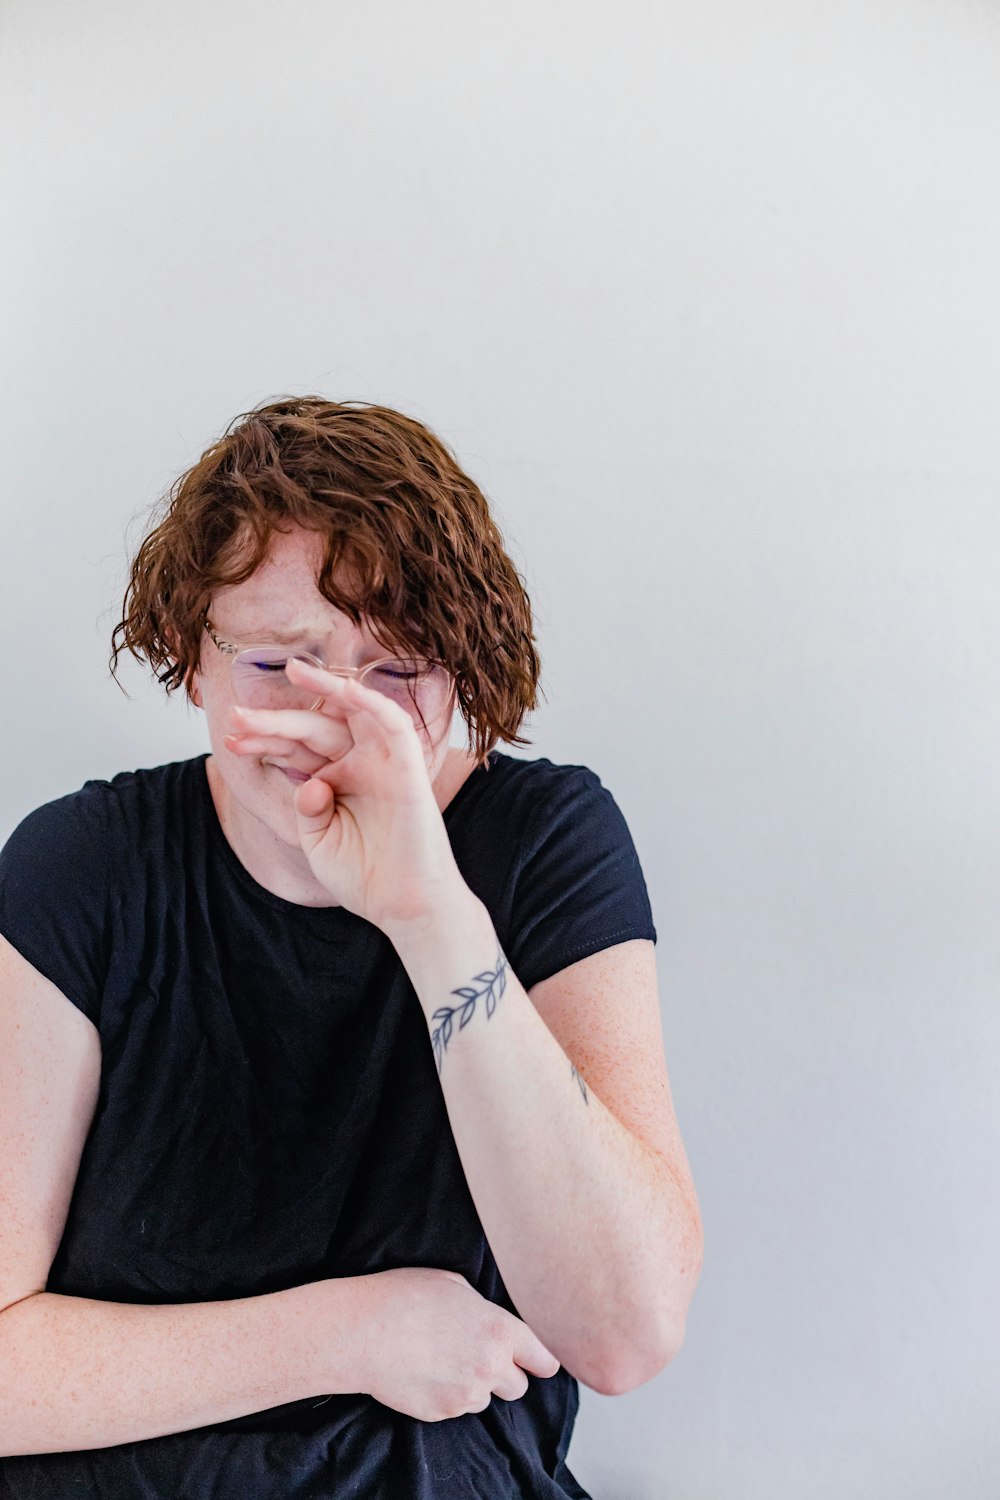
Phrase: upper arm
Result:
[50,1067]
[604,1011]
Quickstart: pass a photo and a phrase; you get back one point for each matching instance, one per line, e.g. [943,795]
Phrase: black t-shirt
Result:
[270,1111]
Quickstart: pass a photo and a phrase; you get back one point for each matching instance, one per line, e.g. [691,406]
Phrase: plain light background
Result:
[706,298]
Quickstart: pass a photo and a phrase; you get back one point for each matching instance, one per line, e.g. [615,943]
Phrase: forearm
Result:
[77,1373]
[593,1236]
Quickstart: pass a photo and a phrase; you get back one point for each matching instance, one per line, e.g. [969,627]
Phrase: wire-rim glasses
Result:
[259,679]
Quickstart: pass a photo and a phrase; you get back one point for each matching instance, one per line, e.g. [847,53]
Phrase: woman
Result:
[337,1136]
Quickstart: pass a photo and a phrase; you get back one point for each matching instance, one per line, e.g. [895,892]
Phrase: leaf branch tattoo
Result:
[494,983]
[583,1086]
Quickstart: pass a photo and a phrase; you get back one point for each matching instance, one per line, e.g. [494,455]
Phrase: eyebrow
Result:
[282,637]
[258,637]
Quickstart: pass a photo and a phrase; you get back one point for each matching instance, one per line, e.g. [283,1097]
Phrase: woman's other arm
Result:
[588,1206]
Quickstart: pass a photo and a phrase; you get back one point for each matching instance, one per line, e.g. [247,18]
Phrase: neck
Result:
[275,865]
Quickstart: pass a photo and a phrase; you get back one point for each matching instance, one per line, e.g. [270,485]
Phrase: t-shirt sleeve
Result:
[54,888]
[579,887]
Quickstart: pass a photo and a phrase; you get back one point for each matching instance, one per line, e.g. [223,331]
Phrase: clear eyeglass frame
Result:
[235,649]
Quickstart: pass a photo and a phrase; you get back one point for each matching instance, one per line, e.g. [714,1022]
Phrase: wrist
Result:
[326,1323]
[452,912]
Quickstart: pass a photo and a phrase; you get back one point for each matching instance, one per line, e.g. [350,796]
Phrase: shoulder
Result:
[523,803]
[88,819]
[544,797]
[71,867]
[539,783]
[151,784]
[559,820]
[578,885]
[75,821]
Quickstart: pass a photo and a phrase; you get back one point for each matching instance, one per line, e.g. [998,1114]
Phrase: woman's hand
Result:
[431,1346]
[368,820]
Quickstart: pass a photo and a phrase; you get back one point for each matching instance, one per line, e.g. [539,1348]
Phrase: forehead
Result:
[293,560]
[282,589]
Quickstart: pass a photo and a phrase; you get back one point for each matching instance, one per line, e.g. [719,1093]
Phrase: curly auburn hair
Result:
[426,566]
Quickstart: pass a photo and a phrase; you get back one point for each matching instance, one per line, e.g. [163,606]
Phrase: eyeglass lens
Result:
[260,681]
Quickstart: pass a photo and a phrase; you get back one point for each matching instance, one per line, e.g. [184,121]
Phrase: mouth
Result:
[293,775]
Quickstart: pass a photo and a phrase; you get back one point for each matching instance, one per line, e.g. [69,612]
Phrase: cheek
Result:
[217,707]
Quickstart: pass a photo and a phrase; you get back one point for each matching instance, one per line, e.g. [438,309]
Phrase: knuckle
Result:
[514,1391]
[497,1331]
[474,1394]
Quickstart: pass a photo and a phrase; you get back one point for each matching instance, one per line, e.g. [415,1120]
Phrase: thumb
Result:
[314,802]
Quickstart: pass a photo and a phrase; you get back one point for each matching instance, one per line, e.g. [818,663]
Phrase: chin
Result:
[285,828]
[270,798]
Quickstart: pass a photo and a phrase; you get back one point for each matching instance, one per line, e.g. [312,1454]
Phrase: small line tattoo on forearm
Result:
[493,983]
[583,1086]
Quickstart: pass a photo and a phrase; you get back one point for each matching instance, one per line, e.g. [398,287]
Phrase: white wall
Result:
[706,297]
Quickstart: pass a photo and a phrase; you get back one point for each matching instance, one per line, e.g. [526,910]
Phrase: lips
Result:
[290,772]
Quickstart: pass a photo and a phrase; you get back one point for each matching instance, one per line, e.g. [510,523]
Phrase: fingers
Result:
[357,701]
[375,722]
[511,1387]
[314,803]
[258,744]
[321,733]
[531,1354]
[313,812]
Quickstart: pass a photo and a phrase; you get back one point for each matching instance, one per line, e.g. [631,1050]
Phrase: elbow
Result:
[661,1336]
[640,1365]
[614,1372]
